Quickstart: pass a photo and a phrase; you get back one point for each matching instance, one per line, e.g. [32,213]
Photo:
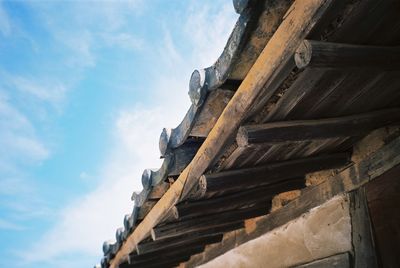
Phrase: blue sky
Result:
[85,89]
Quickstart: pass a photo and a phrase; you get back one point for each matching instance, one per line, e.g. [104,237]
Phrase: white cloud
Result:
[91,219]
[5,25]
[123,40]
[18,140]
[85,223]
[208,40]
[81,27]
[7,225]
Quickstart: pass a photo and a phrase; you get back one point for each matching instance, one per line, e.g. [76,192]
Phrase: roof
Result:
[288,96]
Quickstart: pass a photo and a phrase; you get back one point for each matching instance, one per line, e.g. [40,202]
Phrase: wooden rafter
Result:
[308,130]
[296,25]
[319,54]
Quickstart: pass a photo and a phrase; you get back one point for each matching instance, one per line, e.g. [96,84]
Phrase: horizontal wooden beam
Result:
[161,262]
[182,251]
[162,246]
[305,130]
[321,54]
[180,241]
[269,174]
[198,224]
[236,200]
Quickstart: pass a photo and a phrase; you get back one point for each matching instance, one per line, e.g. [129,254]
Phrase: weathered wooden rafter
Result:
[170,244]
[177,242]
[319,54]
[236,200]
[160,262]
[205,222]
[268,174]
[182,251]
[308,130]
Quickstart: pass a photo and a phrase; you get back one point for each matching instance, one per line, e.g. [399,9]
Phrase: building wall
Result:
[322,232]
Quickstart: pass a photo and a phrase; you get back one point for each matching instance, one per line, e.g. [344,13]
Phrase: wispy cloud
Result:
[82,27]
[84,224]
[208,40]
[123,40]
[87,221]
[44,90]
[5,26]
[6,225]
[18,140]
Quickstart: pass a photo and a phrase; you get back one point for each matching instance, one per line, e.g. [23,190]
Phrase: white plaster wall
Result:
[322,232]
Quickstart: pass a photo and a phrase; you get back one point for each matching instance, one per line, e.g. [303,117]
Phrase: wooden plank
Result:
[179,241]
[234,157]
[363,242]
[137,259]
[319,100]
[176,242]
[206,222]
[337,261]
[306,130]
[296,25]
[236,200]
[383,202]
[269,174]
[161,262]
[347,180]
[319,54]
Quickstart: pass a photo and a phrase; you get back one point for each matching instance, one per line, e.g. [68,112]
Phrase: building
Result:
[289,155]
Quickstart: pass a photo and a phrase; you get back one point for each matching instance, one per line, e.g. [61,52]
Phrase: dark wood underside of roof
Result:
[318,93]
[244,179]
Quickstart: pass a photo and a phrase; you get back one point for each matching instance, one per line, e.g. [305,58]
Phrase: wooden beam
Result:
[269,174]
[236,200]
[161,262]
[180,241]
[363,242]
[164,245]
[137,259]
[339,261]
[298,22]
[198,224]
[321,54]
[306,130]
[353,177]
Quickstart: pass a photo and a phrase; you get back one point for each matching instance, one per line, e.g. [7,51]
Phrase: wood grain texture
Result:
[320,54]
[269,174]
[363,242]
[236,200]
[296,25]
[199,224]
[179,242]
[303,130]
[336,261]
[351,178]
